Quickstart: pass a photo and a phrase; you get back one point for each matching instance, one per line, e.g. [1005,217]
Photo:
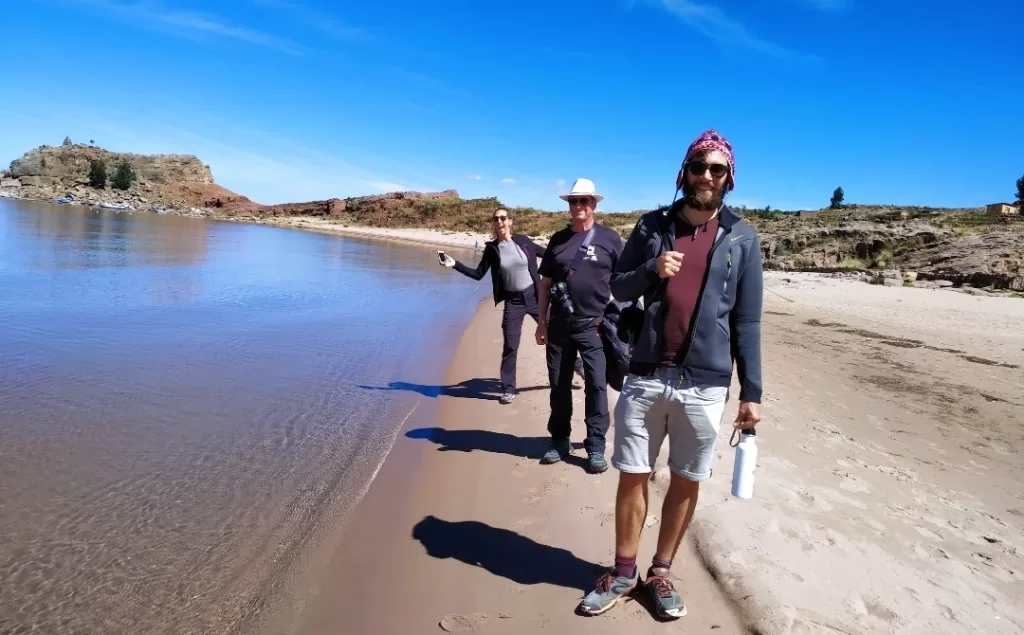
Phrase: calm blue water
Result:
[184,403]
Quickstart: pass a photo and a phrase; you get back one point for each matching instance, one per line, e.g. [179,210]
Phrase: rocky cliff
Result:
[965,247]
[173,180]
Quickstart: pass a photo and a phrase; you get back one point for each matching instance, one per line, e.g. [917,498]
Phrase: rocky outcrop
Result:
[173,180]
[69,165]
[363,206]
[965,248]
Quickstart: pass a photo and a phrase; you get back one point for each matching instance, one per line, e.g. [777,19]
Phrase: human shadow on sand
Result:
[490,441]
[487,389]
[504,553]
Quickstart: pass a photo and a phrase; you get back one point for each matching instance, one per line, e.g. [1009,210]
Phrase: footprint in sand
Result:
[524,522]
[522,468]
[537,494]
[851,483]
[930,553]
[928,533]
[457,623]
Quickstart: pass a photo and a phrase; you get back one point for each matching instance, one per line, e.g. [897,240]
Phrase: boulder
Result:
[10,183]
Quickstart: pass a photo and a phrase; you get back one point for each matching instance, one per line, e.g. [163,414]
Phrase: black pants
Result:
[517,306]
[567,338]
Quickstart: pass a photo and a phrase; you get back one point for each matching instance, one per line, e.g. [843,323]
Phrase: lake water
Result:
[187,407]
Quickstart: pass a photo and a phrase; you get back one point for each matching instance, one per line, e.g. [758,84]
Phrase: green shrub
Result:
[124,176]
[97,174]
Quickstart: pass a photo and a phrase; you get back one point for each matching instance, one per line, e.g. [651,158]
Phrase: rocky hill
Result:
[962,246]
[166,180]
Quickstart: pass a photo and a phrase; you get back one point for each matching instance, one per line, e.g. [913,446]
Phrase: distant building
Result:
[1001,209]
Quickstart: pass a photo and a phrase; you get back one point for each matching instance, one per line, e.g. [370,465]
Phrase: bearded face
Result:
[706,181]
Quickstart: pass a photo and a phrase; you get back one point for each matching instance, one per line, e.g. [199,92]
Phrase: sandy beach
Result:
[887,496]
[434,237]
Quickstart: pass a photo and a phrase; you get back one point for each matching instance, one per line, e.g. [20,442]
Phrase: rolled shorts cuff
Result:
[631,469]
[690,476]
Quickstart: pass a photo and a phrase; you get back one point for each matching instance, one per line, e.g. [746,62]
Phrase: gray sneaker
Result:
[507,398]
[560,448]
[667,601]
[597,464]
[610,591]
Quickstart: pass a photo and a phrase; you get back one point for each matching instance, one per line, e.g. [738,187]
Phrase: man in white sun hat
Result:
[575,288]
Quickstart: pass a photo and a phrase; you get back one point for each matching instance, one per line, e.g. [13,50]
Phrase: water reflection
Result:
[76,237]
[180,407]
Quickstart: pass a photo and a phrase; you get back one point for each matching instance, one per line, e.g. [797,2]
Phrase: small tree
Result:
[124,176]
[97,174]
[1020,194]
[837,198]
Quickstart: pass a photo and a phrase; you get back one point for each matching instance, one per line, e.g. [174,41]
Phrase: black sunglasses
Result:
[578,199]
[697,168]
[499,218]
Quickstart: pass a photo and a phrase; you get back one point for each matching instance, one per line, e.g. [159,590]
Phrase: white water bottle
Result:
[746,461]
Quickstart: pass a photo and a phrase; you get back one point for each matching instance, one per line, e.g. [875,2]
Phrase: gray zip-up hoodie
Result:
[727,320]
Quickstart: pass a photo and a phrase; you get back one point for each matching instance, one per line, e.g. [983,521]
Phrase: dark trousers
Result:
[567,338]
[517,306]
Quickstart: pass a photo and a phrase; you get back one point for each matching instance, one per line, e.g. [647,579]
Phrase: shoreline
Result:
[475,535]
[475,242]
[854,420]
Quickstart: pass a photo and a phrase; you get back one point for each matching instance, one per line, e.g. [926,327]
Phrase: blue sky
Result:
[291,101]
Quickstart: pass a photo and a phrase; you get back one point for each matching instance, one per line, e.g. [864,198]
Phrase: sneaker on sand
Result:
[507,398]
[560,448]
[610,591]
[667,601]
[596,464]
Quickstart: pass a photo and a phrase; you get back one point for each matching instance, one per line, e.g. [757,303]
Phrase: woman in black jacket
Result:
[512,260]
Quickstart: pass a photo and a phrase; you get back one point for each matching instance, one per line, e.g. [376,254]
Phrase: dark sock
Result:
[658,563]
[625,567]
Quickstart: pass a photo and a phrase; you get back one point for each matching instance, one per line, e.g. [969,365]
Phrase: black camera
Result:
[560,297]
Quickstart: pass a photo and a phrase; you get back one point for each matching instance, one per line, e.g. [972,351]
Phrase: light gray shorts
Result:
[649,408]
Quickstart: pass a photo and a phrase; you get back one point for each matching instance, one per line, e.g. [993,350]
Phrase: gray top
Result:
[514,272]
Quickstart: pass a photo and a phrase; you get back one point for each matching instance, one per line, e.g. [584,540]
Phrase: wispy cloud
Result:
[474,177]
[153,14]
[311,17]
[728,32]
[509,181]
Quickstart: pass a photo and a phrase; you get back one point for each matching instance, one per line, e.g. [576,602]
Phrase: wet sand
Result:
[464,531]
[888,494]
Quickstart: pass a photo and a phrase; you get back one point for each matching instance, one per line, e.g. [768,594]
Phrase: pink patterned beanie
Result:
[710,140]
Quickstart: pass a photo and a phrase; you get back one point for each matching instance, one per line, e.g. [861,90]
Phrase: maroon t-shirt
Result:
[684,288]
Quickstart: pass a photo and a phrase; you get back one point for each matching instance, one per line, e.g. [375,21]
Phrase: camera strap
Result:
[579,252]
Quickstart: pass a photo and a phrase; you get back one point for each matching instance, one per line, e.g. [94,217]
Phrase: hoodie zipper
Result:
[700,300]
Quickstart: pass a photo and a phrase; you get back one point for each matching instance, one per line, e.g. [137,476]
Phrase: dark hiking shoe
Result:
[596,464]
[507,398]
[560,448]
[610,591]
[667,601]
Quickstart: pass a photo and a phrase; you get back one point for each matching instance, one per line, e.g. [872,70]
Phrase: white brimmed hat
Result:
[582,187]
